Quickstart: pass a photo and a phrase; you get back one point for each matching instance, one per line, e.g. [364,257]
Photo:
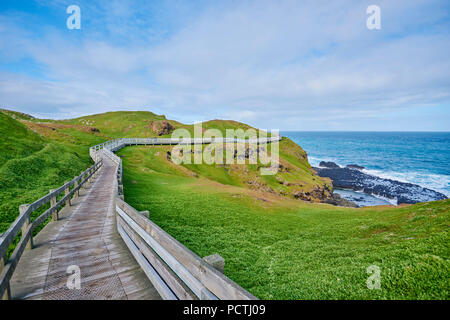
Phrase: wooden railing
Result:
[174,270]
[114,145]
[24,224]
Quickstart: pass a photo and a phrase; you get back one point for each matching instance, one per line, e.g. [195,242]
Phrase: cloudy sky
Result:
[290,65]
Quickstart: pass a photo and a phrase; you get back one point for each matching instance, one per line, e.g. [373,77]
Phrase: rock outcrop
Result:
[337,200]
[359,181]
[328,164]
[161,128]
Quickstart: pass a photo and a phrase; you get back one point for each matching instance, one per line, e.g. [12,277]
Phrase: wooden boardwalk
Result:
[84,236]
[114,250]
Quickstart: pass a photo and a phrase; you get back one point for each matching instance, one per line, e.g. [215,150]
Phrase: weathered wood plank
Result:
[83,236]
[193,283]
[176,285]
[158,283]
[213,280]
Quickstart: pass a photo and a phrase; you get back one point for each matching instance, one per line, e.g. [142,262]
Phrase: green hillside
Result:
[281,248]
[295,179]
[275,244]
[17,140]
[34,159]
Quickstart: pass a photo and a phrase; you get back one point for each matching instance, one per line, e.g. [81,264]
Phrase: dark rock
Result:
[359,181]
[337,200]
[328,164]
[95,130]
[305,196]
[355,166]
[317,194]
[161,127]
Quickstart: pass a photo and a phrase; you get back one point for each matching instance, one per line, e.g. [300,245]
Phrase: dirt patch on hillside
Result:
[161,127]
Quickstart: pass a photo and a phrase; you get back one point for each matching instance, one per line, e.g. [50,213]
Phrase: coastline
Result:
[418,160]
[354,184]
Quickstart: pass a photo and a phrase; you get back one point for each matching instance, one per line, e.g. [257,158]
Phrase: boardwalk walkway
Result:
[118,252]
[84,236]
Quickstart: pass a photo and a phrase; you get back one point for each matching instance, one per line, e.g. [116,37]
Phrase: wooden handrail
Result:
[23,223]
[186,268]
[185,274]
[175,271]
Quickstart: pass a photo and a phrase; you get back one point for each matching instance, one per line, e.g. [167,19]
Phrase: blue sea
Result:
[421,158]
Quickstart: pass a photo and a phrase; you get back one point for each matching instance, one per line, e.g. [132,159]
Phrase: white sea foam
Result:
[364,199]
[436,182]
[391,201]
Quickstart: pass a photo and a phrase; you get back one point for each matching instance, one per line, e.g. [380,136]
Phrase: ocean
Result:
[421,158]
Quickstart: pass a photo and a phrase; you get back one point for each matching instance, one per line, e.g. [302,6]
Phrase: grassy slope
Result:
[293,157]
[17,140]
[34,162]
[274,246]
[281,248]
[122,124]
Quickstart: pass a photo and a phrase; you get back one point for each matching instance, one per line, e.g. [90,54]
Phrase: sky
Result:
[288,65]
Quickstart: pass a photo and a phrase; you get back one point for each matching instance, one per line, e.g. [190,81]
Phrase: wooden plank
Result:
[217,283]
[84,236]
[8,270]
[193,283]
[175,284]
[13,230]
[163,290]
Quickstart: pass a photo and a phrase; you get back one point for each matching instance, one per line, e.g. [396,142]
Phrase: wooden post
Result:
[26,224]
[66,192]
[2,263]
[76,194]
[216,261]
[7,293]
[84,184]
[145,214]
[52,204]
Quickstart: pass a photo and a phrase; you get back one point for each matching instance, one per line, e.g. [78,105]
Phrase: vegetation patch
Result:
[289,249]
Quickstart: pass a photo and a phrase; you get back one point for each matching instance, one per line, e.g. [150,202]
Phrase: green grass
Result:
[289,249]
[17,140]
[274,246]
[33,164]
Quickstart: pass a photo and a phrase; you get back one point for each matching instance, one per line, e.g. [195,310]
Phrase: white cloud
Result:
[281,64]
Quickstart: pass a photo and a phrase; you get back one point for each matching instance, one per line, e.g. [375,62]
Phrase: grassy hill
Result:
[281,248]
[34,158]
[296,179]
[275,245]
[17,140]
